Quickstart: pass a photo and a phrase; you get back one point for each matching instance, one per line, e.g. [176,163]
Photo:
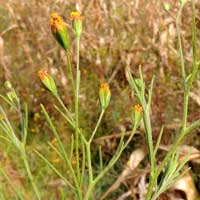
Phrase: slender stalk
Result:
[93,182]
[149,140]
[25,124]
[97,125]
[54,169]
[63,151]
[185,109]
[180,45]
[89,191]
[158,141]
[77,110]
[107,168]
[70,73]
[88,150]
[100,158]
[89,163]
[185,88]
[193,126]
[195,64]
[83,161]
[18,108]
[65,108]
[27,167]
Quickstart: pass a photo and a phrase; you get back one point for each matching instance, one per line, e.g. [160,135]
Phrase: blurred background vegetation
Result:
[117,33]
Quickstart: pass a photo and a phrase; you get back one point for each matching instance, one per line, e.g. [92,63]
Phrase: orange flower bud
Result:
[43,74]
[56,23]
[76,19]
[136,115]
[59,30]
[104,95]
[138,108]
[48,81]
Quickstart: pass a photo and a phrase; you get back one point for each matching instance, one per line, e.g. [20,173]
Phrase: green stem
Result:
[195,63]
[162,165]
[77,109]
[63,151]
[20,119]
[89,191]
[88,144]
[65,108]
[185,88]
[147,122]
[69,70]
[115,158]
[92,183]
[149,139]
[89,163]
[97,125]
[185,109]
[193,126]
[83,160]
[27,167]
[180,45]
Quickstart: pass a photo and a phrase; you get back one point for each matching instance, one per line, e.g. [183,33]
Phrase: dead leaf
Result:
[186,185]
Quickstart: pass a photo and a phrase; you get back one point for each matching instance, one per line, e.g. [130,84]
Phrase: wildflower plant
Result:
[169,170]
[77,157]
[82,181]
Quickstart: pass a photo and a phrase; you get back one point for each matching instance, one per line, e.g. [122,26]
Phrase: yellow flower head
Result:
[56,22]
[105,87]
[138,108]
[43,74]
[75,15]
